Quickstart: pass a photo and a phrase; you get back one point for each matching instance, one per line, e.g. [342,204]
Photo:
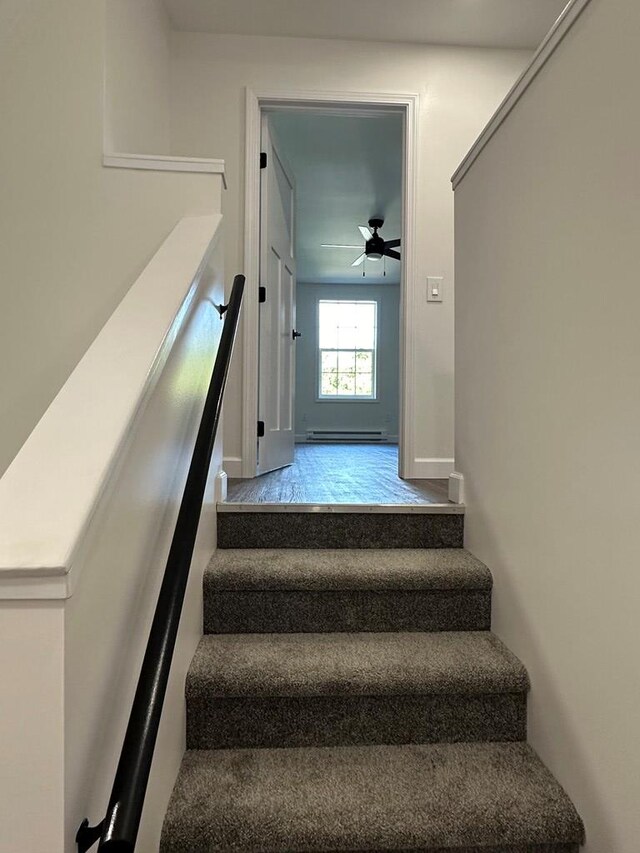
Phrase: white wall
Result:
[31,722]
[459,88]
[137,74]
[74,235]
[379,414]
[548,410]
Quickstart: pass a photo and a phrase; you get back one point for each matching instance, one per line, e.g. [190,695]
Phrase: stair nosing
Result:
[219,574]
[203,680]
[548,818]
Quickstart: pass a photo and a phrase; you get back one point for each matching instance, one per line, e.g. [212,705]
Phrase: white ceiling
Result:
[482,23]
[347,169]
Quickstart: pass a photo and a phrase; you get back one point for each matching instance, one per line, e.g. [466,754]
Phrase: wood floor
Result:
[339,474]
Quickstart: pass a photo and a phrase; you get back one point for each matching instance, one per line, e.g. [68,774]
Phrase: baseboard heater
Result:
[347,435]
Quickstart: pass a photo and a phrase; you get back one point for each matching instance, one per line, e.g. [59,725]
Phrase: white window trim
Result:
[340,398]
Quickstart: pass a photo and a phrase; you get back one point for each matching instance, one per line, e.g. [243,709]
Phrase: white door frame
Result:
[358,102]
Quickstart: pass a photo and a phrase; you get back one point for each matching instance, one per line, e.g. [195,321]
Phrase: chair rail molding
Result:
[552,41]
[165,163]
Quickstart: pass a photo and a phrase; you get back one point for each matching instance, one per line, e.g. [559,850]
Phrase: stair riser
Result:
[214,723]
[339,530]
[297,611]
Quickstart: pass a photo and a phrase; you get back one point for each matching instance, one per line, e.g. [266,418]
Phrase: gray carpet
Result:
[348,664]
[236,611]
[437,569]
[339,530]
[265,591]
[355,721]
[356,700]
[367,798]
[338,689]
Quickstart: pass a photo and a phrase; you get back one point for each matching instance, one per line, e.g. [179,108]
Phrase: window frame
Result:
[343,398]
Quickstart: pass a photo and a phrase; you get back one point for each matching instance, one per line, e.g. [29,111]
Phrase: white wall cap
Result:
[49,492]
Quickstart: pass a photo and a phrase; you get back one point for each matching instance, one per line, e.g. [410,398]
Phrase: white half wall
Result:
[31,725]
[88,508]
[122,558]
[459,88]
[548,410]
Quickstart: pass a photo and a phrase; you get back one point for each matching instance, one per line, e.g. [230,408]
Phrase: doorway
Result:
[345,295]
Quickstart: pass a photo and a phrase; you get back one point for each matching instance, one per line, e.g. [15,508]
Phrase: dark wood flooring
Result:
[339,473]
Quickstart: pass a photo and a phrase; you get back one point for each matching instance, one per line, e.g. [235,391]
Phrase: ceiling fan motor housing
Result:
[375,246]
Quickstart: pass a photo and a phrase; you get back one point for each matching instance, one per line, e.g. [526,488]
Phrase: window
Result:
[347,338]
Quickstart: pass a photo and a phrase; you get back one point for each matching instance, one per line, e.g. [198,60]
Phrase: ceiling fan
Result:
[375,247]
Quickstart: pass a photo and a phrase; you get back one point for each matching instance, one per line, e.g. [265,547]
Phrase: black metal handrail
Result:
[119,828]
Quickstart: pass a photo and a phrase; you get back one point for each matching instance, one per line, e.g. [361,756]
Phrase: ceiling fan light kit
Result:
[375,248]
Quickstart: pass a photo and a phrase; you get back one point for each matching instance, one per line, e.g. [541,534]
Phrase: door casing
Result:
[342,103]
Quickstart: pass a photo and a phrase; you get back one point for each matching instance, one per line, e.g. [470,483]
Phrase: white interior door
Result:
[277,313]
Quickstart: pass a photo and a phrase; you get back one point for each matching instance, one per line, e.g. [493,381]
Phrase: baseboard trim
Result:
[456,488]
[232,466]
[220,488]
[430,469]
[301,438]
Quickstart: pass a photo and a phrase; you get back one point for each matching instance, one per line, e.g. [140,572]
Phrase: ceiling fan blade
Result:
[338,246]
[359,260]
[391,244]
[367,233]
[391,253]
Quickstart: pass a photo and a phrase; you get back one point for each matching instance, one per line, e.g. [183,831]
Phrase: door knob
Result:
[295,334]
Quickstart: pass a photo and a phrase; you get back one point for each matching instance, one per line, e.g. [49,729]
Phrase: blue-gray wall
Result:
[379,414]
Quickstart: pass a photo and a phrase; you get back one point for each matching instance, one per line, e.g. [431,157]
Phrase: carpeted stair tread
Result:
[347,569]
[362,664]
[426,797]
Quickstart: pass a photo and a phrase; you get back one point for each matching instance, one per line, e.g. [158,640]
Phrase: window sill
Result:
[347,400]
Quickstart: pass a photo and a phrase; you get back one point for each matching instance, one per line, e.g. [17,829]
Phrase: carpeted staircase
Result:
[357,700]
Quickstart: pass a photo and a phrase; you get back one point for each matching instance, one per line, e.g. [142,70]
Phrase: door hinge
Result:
[262,294]
[263,159]
[260,429]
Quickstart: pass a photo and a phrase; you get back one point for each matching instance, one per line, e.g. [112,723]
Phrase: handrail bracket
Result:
[87,836]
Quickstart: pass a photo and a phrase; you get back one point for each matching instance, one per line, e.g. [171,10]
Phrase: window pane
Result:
[364,362]
[365,336]
[364,384]
[346,384]
[347,336]
[329,314]
[329,383]
[347,339]
[346,362]
[329,361]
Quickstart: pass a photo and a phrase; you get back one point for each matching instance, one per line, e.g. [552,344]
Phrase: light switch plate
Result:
[434,288]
